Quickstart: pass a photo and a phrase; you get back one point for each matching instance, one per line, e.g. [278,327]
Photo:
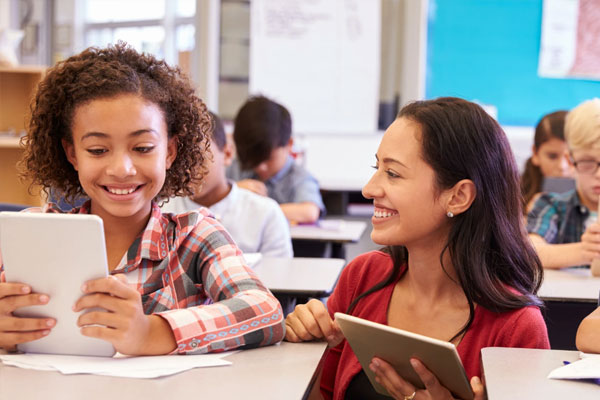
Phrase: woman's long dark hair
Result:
[494,260]
[550,126]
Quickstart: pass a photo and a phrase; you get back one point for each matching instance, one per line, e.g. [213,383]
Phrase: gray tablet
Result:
[396,346]
[55,254]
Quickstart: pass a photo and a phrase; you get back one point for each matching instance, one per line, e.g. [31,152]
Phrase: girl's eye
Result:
[553,156]
[144,149]
[375,166]
[96,152]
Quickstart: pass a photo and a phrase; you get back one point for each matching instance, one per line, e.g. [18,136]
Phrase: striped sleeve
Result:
[242,311]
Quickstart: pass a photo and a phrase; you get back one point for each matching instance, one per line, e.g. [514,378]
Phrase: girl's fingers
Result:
[9,339]
[13,289]
[16,324]
[11,303]
[110,285]
[108,319]
[298,327]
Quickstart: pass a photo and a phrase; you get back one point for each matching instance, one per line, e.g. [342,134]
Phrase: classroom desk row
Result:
[282,371]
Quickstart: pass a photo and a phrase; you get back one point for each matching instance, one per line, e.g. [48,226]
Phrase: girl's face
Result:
[121,152]
[552,158]
[408,209]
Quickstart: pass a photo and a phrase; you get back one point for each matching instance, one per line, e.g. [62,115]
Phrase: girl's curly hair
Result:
[104,73]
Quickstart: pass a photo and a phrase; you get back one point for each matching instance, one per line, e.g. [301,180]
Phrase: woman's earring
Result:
[450,214]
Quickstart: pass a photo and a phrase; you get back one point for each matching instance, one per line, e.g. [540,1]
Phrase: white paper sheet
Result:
[586,368]
[122,366]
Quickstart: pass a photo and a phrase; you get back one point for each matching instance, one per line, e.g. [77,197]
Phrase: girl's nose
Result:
[121,166]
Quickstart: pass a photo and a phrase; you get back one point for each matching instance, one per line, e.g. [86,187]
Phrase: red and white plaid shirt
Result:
[190,272]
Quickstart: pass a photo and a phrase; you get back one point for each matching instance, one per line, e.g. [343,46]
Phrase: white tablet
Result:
[55,254]
[396,346]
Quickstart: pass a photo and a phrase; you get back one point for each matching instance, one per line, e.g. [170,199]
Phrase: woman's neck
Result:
[426,276]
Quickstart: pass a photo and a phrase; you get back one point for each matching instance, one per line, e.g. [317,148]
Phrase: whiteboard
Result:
[320,59]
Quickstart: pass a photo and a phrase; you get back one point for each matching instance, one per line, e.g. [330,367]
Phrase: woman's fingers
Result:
[387,376]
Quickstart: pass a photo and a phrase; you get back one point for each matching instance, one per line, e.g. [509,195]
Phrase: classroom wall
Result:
[488,50]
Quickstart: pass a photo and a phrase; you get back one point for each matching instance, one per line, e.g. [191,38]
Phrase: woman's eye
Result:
[392,174]
[96,152]
[375,167]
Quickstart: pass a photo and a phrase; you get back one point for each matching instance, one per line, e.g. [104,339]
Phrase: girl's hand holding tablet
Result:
[15,330]
[122,321]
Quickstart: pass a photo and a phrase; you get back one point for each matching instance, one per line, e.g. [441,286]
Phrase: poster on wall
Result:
[320,59]
[570,47]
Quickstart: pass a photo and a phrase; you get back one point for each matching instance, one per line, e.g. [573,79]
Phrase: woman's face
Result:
[408,208]
[551,158]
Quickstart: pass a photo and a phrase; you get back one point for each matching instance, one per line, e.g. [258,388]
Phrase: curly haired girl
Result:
[125,130]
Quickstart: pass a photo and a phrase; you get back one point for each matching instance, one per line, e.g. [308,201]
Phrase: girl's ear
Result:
[171,151]
[461,196]
[70,152]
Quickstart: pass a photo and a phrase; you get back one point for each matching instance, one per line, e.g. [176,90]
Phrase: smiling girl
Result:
[125,130]
[457,265]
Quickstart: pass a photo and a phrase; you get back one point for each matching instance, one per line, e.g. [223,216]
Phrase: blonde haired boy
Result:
[563,227]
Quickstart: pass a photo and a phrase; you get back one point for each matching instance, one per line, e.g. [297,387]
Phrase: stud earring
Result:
[450,214]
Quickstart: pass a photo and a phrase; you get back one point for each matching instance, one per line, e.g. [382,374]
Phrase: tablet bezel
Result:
[55,254]
[396,346]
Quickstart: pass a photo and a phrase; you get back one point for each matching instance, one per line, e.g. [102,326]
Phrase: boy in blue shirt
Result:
[264,165]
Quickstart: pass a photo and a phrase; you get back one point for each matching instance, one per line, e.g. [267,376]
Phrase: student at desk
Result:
[563,226]
[264,165]
[457,264]
[126,130]
[255,222]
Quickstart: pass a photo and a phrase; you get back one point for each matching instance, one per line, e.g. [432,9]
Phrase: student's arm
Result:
[305,212]
[243,312]
[554,256]
[588,334]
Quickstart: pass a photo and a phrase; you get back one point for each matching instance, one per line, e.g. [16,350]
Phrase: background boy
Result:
[255,222]
[563,227]
[264,165]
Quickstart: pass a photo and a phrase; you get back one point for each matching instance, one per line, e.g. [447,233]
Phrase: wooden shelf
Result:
[18,88]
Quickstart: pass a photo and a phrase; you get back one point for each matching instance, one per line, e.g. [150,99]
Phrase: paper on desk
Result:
[129,367]
[586,368]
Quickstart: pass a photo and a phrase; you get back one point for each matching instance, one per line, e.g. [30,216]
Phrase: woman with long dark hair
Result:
[457,265]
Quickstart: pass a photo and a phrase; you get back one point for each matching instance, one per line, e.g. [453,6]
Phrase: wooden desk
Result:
[330,232]
[303,276]
[521,374]
[570,294]
[284,371]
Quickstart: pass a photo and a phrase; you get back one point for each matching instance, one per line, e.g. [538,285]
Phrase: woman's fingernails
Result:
[25,289]
[49,322]
[43,298]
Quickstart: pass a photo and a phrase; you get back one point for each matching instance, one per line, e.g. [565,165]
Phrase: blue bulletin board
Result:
[487,50]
